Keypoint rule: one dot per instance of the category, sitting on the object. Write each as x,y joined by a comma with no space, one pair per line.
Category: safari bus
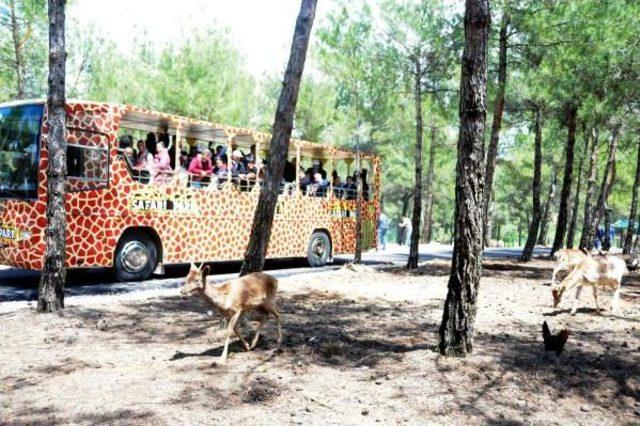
135,211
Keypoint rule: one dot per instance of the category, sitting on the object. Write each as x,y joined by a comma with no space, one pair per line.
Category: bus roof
153,121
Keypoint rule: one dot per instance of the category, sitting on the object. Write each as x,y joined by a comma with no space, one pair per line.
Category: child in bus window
161,169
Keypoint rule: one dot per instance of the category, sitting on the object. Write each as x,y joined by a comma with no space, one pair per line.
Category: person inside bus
317,168
319,186
220,169
252,169
161,169
349,189
289,174
201,169
130,156
305,181
184,160
336,183
172,152
237,166
141,155
126,141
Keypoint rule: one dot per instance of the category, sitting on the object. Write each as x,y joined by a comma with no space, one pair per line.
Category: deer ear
193,267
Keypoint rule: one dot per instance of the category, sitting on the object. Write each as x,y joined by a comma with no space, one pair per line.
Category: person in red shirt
200,169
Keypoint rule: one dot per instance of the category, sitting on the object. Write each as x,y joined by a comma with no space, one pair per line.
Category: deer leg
595,296
230,327
553,275
615,301
254,342
236,330
575,301
273,310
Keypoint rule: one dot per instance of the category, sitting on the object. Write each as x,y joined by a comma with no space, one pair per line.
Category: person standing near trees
402,231
408,229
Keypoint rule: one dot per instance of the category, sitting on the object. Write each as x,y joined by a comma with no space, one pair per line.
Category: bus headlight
25,235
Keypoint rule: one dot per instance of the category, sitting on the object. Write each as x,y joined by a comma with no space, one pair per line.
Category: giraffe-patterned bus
120,217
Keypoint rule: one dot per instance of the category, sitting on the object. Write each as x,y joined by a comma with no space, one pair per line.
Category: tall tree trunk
608,179
357,256
544,222
51,288
406,200
527,253
606,245
563,210
633,211
588,232
17,51
496,125
428,205
412,262
637,240
571,234
457,329
282,126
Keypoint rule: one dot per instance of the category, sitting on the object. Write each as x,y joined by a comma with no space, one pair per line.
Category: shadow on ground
341,333
325,329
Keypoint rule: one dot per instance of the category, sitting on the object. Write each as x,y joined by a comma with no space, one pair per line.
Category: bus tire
136,257
319,249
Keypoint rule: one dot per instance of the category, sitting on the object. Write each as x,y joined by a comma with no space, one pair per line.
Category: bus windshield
19,149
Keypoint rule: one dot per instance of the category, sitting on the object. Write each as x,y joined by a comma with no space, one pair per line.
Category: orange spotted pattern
206,225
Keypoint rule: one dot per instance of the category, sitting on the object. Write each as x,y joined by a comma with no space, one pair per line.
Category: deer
600,273
253,292
567,260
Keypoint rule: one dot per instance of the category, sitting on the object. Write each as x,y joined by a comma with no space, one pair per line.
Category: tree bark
637,240
606,245
527,253
563,210
608,179
427,231
458,318
412,262
633,211
357,256
406,199
544,223
571,234
496,126
586,238
17,50
51,287
283,124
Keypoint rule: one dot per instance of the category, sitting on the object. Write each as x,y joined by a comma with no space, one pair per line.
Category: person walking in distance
383,227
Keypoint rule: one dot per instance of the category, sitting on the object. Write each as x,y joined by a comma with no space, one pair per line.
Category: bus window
87,161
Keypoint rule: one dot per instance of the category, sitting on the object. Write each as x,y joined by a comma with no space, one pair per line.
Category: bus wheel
319,249
136,257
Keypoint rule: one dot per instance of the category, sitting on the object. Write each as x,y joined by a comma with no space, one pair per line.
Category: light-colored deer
567,260
253,292
599,273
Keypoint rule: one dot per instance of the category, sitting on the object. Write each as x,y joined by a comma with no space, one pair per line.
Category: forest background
367,61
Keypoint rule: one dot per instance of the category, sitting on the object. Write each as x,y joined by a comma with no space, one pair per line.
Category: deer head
195,280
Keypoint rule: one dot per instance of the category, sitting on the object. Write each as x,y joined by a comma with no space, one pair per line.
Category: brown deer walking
254,292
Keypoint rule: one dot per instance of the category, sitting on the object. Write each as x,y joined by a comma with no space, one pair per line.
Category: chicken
554,342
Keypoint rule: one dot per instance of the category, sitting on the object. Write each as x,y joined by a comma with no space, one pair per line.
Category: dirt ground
359,348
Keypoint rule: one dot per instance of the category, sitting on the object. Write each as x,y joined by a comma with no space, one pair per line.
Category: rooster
554,342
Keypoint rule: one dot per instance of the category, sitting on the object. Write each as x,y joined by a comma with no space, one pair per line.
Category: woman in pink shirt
200,169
